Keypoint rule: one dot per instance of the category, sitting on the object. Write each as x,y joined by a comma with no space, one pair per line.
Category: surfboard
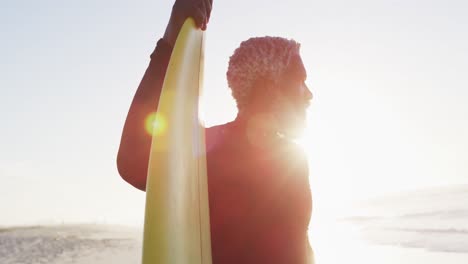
177,228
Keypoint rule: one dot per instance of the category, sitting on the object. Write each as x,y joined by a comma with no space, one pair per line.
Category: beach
428,226
63,244
100,244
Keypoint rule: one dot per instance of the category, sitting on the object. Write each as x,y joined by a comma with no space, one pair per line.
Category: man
259,195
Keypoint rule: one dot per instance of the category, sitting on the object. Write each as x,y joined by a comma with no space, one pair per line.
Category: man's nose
307,93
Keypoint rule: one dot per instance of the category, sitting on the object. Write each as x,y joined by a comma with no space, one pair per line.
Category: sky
389,111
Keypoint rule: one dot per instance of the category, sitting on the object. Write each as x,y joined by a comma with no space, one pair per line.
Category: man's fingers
199,10
199,16
208,5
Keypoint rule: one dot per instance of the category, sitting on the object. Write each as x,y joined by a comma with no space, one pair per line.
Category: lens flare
155,124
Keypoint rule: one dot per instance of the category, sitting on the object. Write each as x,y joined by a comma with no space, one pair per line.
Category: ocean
423,226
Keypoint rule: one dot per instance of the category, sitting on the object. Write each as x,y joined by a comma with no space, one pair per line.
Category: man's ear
263,89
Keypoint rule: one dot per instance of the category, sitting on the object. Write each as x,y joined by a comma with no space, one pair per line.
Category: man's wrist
172,31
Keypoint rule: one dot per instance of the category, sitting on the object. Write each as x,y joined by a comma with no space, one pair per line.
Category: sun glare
155,124
305,140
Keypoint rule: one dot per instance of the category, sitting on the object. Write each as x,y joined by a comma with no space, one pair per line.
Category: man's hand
199,10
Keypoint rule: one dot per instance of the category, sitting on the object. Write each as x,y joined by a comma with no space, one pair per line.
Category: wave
429,230
440,213
441,240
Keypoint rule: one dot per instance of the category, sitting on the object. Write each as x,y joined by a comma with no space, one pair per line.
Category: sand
70,244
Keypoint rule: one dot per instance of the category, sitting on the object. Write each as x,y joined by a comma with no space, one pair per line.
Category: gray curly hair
257,58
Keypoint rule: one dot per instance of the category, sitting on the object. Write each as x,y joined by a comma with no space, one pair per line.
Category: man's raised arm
135,144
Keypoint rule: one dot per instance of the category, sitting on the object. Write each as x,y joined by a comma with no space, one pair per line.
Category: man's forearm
172,31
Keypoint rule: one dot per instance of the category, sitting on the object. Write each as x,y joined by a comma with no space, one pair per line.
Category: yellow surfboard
177,228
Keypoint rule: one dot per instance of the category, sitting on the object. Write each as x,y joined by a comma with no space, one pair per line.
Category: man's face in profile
294,99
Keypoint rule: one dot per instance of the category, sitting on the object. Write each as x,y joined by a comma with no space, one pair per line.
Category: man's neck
259,128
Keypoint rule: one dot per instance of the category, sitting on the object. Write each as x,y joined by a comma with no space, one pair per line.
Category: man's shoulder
215,135
216,128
